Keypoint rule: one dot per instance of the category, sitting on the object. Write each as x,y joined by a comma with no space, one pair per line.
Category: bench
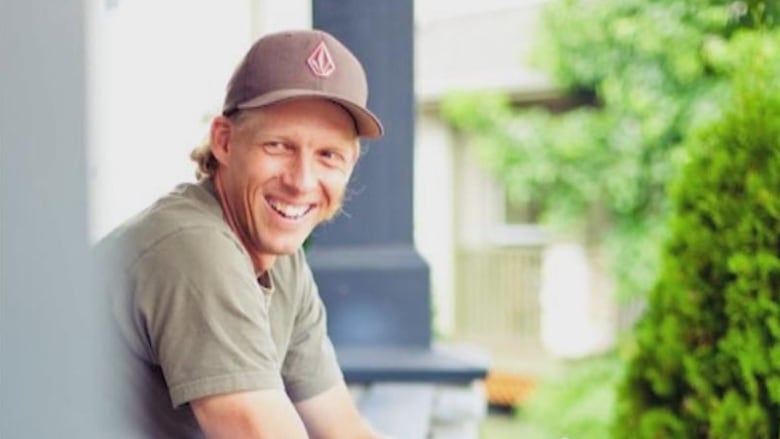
409,393
422,410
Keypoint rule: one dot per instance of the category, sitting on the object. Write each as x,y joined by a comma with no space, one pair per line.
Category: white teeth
289,210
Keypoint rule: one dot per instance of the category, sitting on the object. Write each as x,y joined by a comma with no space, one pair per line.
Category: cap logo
321,62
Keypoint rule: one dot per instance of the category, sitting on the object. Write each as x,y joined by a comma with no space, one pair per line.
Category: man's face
284,170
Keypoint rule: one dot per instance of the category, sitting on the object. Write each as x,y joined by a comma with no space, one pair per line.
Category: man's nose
300,175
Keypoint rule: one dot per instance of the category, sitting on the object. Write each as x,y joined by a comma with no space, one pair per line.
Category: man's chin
284,244
287,248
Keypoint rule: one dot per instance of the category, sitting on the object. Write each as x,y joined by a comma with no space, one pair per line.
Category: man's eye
275,147
332,156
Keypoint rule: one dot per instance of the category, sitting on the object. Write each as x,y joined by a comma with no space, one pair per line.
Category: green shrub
577,403
708,349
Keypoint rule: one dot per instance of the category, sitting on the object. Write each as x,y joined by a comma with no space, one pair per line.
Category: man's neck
260,261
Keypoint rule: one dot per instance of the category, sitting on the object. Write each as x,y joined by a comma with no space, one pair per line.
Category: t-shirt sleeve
310,365
203,316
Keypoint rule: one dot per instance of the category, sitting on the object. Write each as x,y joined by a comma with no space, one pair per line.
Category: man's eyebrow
340,144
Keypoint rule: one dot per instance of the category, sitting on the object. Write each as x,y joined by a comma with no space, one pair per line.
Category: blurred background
548,135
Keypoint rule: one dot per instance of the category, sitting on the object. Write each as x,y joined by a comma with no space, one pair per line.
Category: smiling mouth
290,211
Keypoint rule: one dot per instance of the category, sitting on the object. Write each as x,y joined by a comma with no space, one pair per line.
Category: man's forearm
253,415
333,415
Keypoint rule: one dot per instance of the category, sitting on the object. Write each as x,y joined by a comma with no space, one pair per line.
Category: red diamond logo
320,62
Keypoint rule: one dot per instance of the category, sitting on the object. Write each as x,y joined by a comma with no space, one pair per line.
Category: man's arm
270,414
332,414
264,414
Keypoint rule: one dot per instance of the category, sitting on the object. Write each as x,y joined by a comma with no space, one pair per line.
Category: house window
518,212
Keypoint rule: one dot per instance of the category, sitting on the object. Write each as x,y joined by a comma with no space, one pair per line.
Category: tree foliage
708,361
653,71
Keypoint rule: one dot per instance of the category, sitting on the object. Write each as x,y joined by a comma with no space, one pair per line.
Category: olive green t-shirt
195,319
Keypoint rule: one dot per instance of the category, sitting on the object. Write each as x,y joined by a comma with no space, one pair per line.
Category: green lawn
500,426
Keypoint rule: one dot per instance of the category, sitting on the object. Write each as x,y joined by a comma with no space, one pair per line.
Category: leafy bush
708,359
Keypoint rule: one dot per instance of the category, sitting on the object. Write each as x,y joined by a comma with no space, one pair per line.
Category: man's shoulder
189,204
189,211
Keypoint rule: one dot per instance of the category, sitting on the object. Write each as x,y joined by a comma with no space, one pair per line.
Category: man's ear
221,131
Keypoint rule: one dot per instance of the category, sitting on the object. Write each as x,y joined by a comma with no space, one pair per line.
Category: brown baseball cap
297,64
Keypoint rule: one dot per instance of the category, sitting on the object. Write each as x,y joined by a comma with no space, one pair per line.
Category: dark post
373,281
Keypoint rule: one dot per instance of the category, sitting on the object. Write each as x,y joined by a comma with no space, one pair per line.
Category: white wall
158,76
467,44
573,321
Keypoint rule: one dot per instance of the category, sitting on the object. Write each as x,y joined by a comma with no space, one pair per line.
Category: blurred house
497,278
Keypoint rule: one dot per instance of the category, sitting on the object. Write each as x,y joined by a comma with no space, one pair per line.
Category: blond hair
205,160
203,157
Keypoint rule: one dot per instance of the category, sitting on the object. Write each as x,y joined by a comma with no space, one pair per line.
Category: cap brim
366,123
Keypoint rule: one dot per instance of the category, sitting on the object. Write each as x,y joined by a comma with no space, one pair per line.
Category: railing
497,296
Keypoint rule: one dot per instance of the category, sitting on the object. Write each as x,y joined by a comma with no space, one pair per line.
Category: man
210,289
